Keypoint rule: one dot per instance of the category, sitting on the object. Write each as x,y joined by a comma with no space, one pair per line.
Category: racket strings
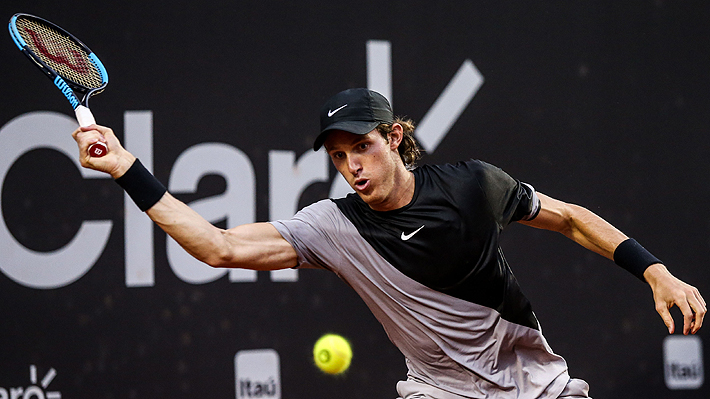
60,53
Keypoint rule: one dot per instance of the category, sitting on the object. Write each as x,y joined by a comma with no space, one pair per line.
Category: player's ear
395,136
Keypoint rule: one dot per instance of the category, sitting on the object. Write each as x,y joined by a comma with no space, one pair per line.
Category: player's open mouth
362,184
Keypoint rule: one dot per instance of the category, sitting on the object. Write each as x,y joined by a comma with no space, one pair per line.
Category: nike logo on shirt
406,237
331,113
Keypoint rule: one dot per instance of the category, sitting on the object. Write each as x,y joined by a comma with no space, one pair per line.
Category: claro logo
33,391
288,177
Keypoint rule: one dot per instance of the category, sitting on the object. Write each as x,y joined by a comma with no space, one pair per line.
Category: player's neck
401,194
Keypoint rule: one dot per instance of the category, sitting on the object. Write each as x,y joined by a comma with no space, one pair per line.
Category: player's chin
373,200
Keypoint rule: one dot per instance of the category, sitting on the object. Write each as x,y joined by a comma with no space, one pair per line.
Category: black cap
357,111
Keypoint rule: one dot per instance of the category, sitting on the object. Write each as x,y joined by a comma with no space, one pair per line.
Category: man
420,246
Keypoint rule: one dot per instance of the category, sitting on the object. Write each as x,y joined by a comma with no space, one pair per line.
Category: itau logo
258,374
33,391
683,358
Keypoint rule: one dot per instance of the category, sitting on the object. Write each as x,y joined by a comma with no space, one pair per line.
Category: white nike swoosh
406,237
331,113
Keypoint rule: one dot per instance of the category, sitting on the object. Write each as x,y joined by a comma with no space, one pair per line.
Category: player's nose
354,164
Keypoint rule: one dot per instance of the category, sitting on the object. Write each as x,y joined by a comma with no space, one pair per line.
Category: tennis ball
332,354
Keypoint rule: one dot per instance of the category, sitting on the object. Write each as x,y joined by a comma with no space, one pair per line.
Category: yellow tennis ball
332,354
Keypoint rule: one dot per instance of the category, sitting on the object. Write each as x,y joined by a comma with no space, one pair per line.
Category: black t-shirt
447,237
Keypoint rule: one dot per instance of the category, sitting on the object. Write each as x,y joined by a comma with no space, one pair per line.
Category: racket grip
86,118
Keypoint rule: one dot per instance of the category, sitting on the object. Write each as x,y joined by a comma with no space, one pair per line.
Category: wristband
143,188
634,258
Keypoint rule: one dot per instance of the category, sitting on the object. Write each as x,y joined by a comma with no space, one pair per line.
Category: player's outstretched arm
256,246
594,233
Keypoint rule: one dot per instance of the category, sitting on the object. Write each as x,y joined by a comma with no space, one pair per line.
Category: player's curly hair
409,149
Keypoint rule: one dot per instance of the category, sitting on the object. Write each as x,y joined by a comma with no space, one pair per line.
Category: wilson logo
66,90
78,64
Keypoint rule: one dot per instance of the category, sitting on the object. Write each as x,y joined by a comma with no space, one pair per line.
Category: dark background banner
601,103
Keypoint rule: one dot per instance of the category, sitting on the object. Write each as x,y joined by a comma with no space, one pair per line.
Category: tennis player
420,245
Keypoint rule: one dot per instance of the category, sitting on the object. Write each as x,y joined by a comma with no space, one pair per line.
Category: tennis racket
74,69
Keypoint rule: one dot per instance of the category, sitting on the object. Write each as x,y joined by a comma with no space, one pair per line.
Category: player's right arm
257,246
592,232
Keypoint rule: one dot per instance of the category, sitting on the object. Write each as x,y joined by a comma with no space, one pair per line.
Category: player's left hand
668,291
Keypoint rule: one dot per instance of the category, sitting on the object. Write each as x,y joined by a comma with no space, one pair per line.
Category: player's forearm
252,246
592,232
195,234
578,224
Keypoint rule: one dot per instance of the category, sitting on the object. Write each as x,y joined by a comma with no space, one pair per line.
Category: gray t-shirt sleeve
310,232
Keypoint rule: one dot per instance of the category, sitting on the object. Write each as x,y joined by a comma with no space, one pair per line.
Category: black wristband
143,188
633,257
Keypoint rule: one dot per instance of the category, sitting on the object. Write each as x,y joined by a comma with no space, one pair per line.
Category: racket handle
86,118
98,149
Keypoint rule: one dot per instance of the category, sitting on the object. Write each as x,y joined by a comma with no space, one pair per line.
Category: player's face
370,164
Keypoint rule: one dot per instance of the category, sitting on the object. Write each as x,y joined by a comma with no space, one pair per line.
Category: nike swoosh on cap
331,113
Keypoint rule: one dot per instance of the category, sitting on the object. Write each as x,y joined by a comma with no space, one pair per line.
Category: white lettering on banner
138,229
53,269
379,67
448,107
236,205
33,391
288,179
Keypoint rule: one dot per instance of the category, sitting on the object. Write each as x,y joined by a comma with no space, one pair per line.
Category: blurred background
601,103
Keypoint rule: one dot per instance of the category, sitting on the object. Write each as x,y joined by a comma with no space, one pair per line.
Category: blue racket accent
73,68
15,34
100,67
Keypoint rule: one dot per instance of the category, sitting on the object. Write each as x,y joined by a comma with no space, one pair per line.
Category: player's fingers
662,310
107,136
99,128
86,137
688,315
700,310
700,297
84,140
697,323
